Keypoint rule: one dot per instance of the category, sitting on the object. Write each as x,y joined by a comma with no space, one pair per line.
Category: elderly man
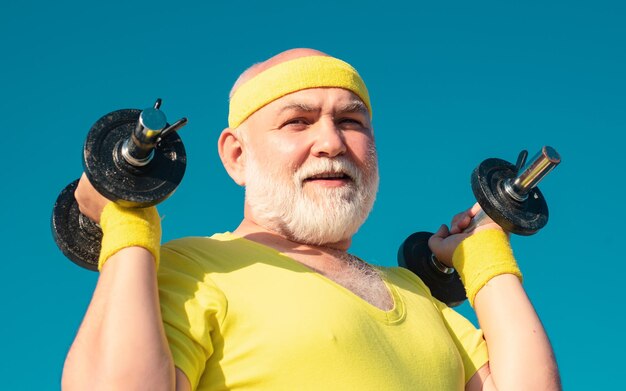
279,303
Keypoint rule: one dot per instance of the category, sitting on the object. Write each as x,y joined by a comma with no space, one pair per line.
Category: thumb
442,233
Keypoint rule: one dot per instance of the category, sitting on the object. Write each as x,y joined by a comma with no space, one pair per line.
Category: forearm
520,354
121,343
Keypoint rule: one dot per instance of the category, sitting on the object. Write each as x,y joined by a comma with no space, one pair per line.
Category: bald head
287,55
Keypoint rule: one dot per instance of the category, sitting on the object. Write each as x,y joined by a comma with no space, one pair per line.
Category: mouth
329,178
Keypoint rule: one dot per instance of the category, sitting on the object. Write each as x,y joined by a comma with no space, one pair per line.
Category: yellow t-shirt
240,315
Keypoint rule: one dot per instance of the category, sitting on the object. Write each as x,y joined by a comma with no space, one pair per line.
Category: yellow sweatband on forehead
291,76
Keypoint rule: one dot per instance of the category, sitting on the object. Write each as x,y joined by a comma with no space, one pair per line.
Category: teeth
325,175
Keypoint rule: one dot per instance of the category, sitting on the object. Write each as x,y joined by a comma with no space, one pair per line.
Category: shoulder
194,244
184,276
197,251
219,253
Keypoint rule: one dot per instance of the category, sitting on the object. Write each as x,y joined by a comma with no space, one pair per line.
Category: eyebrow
298,106
354,106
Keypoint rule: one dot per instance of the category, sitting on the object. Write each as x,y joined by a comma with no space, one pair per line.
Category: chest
355,275
294,326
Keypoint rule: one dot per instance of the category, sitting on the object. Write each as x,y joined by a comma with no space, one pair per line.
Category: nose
329,140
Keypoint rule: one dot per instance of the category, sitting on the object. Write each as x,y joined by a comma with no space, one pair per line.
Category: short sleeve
468,339
192,307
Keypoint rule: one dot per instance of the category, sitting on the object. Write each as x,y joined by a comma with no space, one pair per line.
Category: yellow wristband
129,227
481,257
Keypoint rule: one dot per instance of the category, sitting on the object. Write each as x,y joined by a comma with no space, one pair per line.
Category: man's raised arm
121,342
520,354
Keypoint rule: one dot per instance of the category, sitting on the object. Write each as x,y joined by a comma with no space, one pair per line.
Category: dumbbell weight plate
415,255
521,218
121,182
78,237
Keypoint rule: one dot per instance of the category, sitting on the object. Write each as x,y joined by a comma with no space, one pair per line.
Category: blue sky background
452,83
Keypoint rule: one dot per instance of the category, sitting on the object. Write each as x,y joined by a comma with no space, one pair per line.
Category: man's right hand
90,202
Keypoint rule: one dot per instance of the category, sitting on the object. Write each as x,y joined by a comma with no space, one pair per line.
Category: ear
231,152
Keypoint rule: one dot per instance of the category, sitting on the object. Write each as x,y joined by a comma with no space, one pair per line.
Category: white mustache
338,165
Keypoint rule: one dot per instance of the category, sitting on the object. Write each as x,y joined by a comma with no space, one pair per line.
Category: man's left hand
445,240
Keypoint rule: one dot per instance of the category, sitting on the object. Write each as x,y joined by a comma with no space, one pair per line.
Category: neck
252,230
330,260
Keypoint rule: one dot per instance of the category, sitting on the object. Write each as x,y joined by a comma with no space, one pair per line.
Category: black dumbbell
132,157
507,194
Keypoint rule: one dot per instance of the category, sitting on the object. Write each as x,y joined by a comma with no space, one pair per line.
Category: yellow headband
291,76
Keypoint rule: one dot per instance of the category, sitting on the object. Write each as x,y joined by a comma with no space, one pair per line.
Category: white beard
317,215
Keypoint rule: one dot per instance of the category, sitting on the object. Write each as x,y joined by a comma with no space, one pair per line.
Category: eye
296,123
350,123
349,120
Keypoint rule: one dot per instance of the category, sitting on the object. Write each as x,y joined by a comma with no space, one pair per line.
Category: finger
442,232
457,217
460,222
83,187
80,190
466,220
90,202
473,211
438,236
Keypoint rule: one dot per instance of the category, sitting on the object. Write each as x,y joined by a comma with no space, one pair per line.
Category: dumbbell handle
138,149
517,188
